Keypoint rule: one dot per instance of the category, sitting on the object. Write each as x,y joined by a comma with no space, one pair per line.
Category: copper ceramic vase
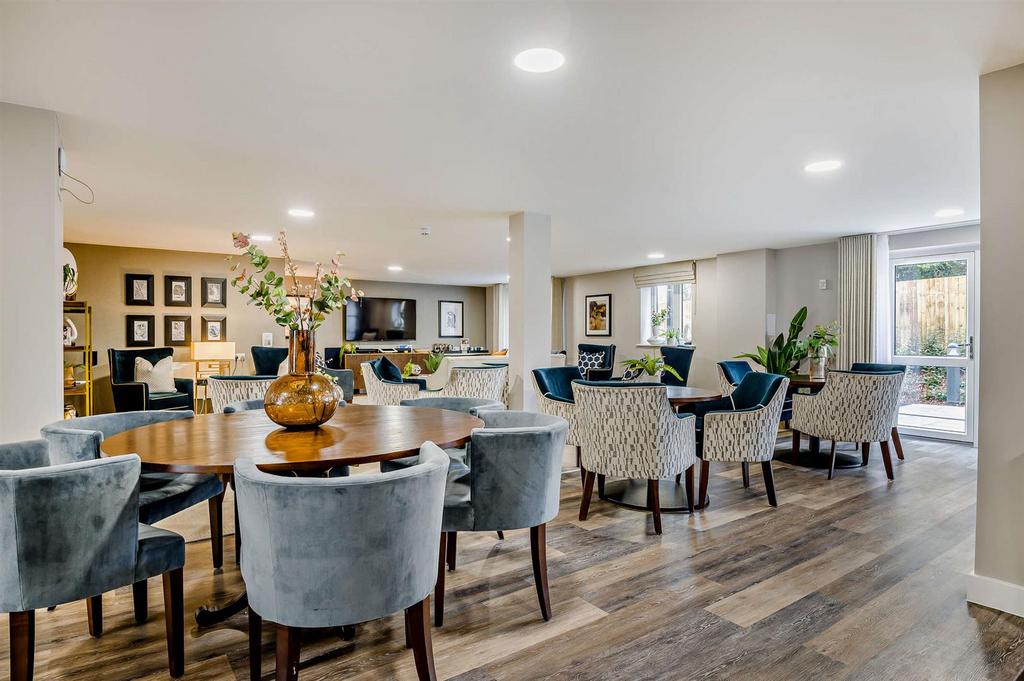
302,398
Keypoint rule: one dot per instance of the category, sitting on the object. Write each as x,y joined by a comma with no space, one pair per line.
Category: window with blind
677,299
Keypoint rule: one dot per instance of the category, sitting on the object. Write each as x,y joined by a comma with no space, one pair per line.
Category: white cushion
159,378
282,368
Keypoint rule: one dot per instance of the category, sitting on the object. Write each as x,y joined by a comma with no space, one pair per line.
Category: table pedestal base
207,616
633,494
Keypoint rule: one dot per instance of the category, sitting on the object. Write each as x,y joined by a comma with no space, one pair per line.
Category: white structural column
529,303
31,240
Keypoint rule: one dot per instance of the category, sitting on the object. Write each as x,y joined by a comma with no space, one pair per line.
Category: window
678,300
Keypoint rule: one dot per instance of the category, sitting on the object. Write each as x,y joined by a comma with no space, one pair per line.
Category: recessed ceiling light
823,166
395,268
655,256
949,212
539,60
301,212
508,239
261,237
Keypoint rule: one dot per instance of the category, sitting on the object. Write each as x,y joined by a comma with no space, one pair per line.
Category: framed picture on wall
138,289
177,291
598,310
139,331
177,330
214,328
449,319
215,292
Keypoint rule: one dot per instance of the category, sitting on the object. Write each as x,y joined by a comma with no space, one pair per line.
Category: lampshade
205,351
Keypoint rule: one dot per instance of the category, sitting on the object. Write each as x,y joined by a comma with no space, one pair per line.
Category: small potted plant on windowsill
671,337
657,319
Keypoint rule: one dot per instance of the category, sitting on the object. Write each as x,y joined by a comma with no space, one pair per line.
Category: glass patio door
933,334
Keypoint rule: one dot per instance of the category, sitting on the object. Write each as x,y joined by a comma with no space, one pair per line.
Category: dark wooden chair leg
746,473
897,443
140,600
539,552
769,482
23,644
216,505
689,489
417,618
451,541
795,446
501,535
287,655
94,610
832,460
408,630
865,453
705,473
679,477
439,586
588,490
654,504
886,459
255,646
174,617
348,632
579,464
600,485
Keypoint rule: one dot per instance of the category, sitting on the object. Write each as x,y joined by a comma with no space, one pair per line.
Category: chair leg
865,453
408,630
287,654
501,535
746,473
600,485
689,489
705,473
832,460
174,617
679,477
654,504
216,505
140,599
886,459
579,464
795,446
539,553
451,542
769,482
439,586
255,645
588,490
23,644
897,443
417,622
94,610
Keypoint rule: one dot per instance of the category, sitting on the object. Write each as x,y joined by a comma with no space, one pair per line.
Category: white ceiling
682,128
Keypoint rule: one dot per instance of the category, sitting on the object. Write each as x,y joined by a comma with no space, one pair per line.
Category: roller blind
666,273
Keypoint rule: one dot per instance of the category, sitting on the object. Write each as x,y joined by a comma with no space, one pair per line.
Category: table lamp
212,357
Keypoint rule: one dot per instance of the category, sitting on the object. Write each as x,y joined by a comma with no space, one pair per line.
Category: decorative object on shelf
658,318
70,275
784,355
449,319
598,309
647,368
78,354
215,292
671,337
70,333
411,369
69,373
138,289
303,398
177,291
821,347
433,361
178,330
214,328
70,412
139,330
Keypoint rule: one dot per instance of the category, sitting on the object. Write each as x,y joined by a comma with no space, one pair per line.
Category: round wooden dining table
356,434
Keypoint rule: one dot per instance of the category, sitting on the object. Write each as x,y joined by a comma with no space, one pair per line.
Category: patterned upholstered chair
554,397
513,482
876,368
161,494
223,390
730,373
267,361
132,395
384,563
486,382
851,407
745,431
386,391
596,362
629,430
679,358
71,532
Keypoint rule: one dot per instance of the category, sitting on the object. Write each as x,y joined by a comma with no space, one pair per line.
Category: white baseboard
995,593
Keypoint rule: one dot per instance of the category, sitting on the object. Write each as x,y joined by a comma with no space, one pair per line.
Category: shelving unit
80,395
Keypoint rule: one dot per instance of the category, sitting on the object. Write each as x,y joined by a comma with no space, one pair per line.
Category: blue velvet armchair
131,395
679,358
267,361
604,369
71,532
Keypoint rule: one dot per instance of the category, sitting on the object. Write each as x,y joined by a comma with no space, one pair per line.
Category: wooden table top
355,434
805,381
681,394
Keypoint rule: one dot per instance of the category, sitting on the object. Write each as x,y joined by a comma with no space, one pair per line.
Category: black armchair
131,395
604,370
265,361
679,358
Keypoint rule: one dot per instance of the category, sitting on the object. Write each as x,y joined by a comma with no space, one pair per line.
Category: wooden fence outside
930,308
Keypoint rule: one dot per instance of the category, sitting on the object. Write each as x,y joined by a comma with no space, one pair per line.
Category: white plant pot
654,340
672,342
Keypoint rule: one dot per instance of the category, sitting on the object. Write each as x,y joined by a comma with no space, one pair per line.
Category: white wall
797,272
31,240
962,236
998,579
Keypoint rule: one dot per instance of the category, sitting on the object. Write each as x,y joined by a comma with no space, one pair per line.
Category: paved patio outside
948,418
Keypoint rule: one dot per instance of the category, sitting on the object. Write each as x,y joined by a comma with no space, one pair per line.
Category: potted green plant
433,361
410,369
784,355
671,337
648,367
658,318
821,345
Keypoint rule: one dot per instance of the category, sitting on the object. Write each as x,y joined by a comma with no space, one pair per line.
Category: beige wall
999,552
797,272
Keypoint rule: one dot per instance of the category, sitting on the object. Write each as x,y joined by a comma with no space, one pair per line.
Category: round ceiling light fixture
395,268
655,256
949,212
539,60
823,166
301,212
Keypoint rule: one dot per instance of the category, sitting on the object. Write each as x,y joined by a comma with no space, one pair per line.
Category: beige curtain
856,300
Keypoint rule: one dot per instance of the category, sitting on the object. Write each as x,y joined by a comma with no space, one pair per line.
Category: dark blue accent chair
131,395
679,358
735,369
266,361
606,369
556,382
386,371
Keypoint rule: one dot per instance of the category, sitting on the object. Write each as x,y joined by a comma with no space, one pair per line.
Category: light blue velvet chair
513,482
243,405
330,552
71,532
161,494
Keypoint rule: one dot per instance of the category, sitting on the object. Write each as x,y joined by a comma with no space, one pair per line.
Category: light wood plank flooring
853,578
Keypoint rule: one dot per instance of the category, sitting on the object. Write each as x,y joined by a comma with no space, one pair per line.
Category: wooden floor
853,578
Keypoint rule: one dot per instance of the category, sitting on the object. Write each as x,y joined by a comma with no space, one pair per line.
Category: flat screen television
380,319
